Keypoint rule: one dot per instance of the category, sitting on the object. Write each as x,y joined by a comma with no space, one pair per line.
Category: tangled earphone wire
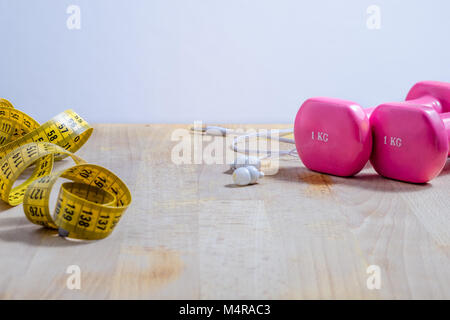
246,168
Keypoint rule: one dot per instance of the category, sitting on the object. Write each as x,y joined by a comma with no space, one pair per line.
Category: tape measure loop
87,208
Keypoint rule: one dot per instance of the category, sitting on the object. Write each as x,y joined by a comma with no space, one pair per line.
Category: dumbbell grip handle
429,101
369,111
424,101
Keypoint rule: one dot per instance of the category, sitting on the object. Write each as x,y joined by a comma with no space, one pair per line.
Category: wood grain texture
189,234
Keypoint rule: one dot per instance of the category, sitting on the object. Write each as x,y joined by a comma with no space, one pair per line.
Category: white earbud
246,175
245,161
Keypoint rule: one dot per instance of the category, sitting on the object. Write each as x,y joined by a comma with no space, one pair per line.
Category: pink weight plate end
333,136
410,143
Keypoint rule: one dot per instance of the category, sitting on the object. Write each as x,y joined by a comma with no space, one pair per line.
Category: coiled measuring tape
89,207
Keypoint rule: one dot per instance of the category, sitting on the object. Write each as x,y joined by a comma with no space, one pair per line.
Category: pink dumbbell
411,142
334,136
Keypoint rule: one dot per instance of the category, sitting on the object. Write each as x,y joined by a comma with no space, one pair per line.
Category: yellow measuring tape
89,207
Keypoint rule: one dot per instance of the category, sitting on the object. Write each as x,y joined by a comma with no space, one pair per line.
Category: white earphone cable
279,135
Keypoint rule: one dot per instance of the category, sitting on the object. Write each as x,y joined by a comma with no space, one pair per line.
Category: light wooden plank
189,234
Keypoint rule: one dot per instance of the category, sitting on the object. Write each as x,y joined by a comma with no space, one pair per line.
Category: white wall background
240,61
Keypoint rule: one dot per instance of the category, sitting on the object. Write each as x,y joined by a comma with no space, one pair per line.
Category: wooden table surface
190,235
